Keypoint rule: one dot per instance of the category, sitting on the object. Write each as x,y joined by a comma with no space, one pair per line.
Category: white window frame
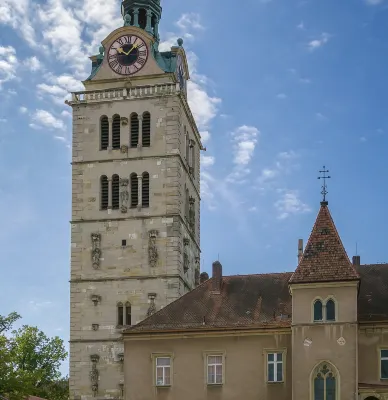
214,365
275,363
163,368
381,360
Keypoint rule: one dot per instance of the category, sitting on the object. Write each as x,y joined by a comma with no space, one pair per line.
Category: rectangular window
163,371
384,364
215,369
275,367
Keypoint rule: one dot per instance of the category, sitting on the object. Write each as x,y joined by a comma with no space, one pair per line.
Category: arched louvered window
134,190
104,187
128,314
318,315
146,134
325,383
145,190
330,310
193,159
187,204
134,130
116,132
104,133
142,18
115,192
187,146
120,314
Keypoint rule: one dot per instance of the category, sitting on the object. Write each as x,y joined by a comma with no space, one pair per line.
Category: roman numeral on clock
113,64
142,53
141,61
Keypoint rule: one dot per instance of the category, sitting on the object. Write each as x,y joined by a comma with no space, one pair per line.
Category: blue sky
279,88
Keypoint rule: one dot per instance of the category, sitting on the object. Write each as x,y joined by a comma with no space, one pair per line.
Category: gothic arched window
104,193
145,190
134,190
116,132
115,192
330,310
104,132
134,130
120,314
128,314
324,383
146,130
318,314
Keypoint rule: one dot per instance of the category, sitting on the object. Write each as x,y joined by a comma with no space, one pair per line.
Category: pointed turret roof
324,258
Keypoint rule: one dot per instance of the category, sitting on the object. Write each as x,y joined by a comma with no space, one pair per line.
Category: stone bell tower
135,228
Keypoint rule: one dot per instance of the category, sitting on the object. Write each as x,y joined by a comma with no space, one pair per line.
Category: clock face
127,55
180,73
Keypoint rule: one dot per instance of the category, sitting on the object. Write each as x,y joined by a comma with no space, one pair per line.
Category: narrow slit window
134,191
330,310
192,159
115,192
116,132
318,315
146,134
134,130
145,190
128,314
120,314
104,193
104,132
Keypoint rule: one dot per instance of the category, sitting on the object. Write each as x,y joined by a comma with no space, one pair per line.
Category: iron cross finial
324,186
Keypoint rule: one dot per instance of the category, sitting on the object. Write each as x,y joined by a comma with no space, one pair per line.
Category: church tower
135,228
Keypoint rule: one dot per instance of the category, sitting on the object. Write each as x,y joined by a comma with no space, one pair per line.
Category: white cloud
52,89
268,174
321,117
304,80
8,64
374,2
205,136
42,118
317,43
39,305
3,120
301,25
287,155
207,161
33,64
290,204
252,209
281,96
244,141
363,139
23,110
189,21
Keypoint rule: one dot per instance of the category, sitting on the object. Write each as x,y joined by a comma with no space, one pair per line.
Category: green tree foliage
29,363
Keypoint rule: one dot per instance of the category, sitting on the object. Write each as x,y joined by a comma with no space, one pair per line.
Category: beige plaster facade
111,249
350,349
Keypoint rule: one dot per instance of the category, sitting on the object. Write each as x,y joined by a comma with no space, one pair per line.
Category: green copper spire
144,14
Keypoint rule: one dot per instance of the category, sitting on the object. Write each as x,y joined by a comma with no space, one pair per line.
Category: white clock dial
127,55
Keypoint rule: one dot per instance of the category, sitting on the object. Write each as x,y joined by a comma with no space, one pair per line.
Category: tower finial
324,192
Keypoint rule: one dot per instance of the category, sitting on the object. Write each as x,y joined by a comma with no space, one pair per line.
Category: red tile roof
257,301
324,258
243,302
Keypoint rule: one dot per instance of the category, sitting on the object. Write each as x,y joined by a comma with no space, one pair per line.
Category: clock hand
120,50
133,47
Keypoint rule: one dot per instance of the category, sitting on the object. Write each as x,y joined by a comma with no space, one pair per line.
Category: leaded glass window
325,384
330,310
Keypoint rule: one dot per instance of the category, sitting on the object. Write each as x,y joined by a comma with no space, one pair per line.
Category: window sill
214,384
163,386
274,382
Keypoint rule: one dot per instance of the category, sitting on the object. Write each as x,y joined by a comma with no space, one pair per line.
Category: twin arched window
324,312
145,120
134,191
124,314
325,382
134,131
